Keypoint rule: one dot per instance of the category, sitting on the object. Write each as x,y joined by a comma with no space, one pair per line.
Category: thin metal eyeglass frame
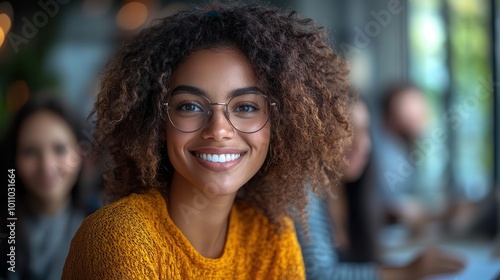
226,113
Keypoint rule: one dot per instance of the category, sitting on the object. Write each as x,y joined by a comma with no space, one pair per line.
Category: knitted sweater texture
134,238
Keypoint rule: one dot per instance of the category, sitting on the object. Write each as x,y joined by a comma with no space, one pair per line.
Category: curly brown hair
290,55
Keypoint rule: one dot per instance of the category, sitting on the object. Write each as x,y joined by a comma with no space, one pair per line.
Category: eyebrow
198,91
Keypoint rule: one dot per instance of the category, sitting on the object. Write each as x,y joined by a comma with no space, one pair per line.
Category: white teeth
218,158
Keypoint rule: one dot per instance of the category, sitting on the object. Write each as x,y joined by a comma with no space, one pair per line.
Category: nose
48,164
218,126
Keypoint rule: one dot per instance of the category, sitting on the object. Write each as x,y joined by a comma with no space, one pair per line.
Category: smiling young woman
213,120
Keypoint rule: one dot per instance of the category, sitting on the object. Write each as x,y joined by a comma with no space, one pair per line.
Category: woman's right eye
29,152
189,107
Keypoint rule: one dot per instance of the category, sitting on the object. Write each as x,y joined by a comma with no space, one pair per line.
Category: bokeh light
2,36
5,23
131,16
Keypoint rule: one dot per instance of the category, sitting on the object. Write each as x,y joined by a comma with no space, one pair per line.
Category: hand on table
434,261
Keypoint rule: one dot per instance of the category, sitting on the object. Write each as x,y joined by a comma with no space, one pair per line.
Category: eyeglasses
247,113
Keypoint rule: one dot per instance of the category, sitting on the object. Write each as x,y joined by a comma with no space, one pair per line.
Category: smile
218,157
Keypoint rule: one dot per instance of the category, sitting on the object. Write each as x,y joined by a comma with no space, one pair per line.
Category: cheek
175,142
26,167
367,144
261,141
70,163
72,160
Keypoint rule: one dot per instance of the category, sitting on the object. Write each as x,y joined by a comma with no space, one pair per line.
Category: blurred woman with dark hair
43,148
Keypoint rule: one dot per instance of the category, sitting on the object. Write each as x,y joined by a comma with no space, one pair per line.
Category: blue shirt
320,253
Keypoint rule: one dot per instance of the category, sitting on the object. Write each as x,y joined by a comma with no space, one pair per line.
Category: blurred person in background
359,199
404,119
43,148
357,156
328,219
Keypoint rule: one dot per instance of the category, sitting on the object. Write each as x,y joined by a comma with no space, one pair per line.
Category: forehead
410,102
408,97
216,72
44,127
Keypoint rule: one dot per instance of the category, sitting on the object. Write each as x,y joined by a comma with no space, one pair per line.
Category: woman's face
47,157
410,114
217,75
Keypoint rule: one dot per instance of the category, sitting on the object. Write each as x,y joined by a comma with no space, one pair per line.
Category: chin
215,189
351,177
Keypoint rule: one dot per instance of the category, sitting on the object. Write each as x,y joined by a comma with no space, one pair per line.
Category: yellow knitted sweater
134,238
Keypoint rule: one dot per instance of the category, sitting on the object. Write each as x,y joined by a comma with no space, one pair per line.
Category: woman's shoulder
117,241
130,212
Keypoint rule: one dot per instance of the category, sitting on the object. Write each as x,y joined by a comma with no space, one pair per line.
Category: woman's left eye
60,149
245,108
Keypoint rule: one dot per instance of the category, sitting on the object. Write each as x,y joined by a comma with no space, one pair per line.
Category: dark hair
289,54
363,221
11,138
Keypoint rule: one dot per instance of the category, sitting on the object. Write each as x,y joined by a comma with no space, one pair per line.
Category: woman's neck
202,218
